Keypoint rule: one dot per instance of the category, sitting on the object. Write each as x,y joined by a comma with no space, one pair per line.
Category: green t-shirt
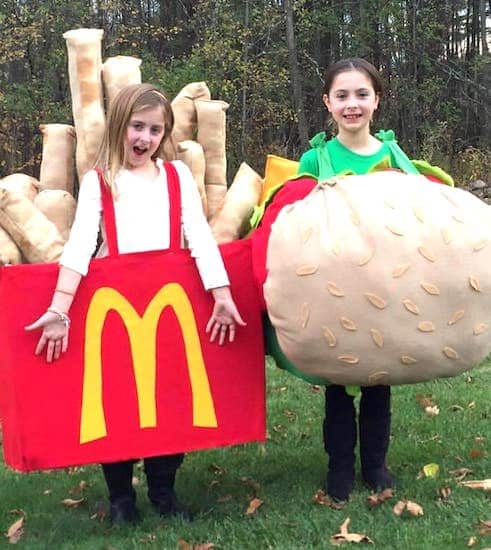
344,160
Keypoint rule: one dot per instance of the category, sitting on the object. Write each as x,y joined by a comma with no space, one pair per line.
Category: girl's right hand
54,336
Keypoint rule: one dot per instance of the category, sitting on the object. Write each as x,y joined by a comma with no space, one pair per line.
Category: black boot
374,423
161,475
339,442
122,496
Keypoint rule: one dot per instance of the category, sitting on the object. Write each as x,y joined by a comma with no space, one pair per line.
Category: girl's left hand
224,317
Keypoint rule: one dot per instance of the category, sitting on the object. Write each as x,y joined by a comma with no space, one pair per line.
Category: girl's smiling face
144,133
352,101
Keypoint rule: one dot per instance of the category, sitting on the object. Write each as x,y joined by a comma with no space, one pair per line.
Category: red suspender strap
174,190
108,215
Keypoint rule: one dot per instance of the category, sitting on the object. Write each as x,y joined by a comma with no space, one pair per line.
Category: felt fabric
57,164
381,279
59,207
140,377
232,218
120,71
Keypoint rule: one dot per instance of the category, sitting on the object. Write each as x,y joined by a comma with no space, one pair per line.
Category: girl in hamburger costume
351,94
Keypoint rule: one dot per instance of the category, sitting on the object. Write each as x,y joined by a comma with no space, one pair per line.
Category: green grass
285,472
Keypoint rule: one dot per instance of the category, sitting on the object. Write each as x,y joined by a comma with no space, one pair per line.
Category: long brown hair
130,100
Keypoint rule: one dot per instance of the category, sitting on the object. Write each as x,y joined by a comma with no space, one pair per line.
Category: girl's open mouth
352,116
139,151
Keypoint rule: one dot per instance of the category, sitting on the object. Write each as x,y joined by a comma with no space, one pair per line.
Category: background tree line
267,60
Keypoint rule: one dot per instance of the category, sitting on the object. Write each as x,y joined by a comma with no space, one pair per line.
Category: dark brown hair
353,64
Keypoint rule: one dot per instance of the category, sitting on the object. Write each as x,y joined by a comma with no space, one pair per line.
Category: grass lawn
285,473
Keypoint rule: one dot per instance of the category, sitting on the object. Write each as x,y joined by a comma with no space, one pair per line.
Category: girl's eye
341,96
136,125
156,131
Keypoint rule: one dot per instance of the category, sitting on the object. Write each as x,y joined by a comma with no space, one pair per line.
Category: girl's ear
377,100
325,100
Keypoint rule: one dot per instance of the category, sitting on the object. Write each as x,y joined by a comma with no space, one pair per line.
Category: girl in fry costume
140,121
351,94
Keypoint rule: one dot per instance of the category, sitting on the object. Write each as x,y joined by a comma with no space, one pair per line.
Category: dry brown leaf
290,414
47,492
79,488
216,469
484,484
254,504
485,527
183,545
379,498
472,542
321,498
476,453
101,512
72,502
425,400
15,531
432,410
399,507
414,509
344,536
460,473
444,494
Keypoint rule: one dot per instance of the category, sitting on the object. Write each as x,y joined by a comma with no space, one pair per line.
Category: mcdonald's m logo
143,351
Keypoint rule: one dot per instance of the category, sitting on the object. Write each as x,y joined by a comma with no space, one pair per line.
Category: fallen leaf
72,503
47,492
149,538
290,414
344,536
216,469
456,408
472,542
478,484
425,400
183,545
321,498
379,498
15,531
399,507
485,527
254,504
135,481
414,509
431,470
213,483
314,388
460,473
444,494
101,512
432,410
476,453
471,405
249,482
78,489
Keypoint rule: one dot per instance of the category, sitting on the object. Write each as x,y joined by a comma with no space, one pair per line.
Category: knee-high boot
161,475
339,442
374,424
118,476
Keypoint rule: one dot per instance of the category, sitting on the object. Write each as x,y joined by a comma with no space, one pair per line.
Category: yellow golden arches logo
143,351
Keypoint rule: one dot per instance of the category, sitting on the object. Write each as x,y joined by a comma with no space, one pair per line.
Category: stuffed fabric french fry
59,207
232,218
57,164
9,252
21,183
211,136
381,279
191,153
120,71
37,237
184,110
84,70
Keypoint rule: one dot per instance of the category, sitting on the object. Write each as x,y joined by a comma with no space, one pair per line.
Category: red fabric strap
174,191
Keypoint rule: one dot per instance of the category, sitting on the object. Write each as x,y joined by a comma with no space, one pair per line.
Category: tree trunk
295,75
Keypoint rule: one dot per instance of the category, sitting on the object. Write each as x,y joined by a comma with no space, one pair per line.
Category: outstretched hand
224,318
54,336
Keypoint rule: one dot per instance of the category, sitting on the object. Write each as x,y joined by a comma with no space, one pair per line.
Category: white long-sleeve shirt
142,221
